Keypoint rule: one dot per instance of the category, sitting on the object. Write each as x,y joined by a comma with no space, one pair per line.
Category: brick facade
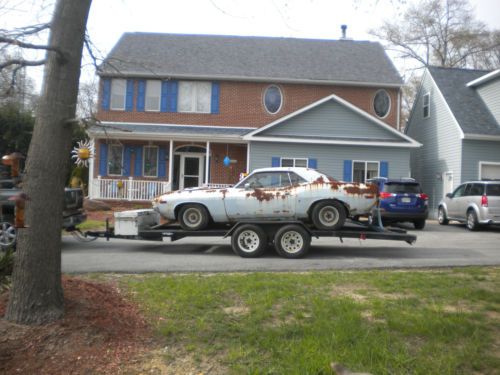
241,104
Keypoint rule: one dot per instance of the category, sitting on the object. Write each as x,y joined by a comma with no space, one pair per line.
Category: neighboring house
179,111
456,116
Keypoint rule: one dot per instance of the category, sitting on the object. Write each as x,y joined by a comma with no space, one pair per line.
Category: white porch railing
217,186
128,189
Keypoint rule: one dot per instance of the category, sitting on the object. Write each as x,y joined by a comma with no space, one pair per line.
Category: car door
455,202
262,195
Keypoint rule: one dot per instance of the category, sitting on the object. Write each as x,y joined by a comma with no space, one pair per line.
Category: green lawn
383,322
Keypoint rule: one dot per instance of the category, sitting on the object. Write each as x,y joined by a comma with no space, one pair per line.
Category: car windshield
493,190
402,187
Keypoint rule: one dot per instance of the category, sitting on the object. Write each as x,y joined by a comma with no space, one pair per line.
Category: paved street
436,246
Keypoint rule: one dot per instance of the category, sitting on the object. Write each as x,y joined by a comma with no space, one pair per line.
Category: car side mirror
449,195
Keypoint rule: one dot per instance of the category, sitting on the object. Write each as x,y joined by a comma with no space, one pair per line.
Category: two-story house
181,111
456,116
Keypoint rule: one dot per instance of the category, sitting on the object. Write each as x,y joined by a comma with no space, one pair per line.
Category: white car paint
279,198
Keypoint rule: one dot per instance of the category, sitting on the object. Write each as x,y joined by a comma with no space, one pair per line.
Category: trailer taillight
484,201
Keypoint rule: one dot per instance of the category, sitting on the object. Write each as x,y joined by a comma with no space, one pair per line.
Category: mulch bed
101,333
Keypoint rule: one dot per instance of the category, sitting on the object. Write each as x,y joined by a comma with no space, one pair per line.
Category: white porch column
90,187
207,163
171,164
248,157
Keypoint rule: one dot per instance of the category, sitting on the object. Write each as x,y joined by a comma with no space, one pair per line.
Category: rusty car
276,193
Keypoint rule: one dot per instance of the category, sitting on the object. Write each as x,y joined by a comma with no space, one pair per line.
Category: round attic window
273,99
382,103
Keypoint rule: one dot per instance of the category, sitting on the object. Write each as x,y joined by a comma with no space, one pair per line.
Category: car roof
482,182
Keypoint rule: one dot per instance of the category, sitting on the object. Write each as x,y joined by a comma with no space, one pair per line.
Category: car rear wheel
193,217
249,241
472,223
419,224
7,236
292,241
442,219
328,215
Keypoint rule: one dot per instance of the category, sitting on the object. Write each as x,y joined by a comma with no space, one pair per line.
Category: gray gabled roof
251,58
465,103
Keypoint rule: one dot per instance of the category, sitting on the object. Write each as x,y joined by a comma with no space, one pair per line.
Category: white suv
475,203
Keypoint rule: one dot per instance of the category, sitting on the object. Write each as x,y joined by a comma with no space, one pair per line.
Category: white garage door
490,171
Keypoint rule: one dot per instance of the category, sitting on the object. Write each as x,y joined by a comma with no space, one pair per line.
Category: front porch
135,170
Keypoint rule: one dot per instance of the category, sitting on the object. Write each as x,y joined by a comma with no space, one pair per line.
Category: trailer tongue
249,239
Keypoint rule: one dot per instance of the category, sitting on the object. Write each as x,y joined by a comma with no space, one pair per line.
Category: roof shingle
250,58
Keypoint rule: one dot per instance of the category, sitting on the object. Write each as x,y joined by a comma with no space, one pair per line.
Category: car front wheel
328,215
472,223
442,219
193,217
7,235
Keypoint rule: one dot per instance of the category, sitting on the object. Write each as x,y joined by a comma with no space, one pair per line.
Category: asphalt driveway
436,246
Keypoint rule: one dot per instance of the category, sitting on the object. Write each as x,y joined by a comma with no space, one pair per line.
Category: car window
493,190
268,180
296,179
459,192
402,188
475,189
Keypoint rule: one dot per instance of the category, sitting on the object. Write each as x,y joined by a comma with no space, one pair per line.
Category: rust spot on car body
356,189
223,192
262,195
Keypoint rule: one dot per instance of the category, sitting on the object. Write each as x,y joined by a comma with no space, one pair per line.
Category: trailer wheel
249,241
7,235
292,241
193,217
328,215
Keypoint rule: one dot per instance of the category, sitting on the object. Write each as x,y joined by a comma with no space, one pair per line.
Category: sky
109,19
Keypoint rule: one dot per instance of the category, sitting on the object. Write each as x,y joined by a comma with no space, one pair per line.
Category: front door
191,171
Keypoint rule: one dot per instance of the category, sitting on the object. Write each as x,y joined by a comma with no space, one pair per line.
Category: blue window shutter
276,161
138,161
141,95
164,96
215,97
129,98
162,163
312,163
384,169
347,171
106,93
126,160
172,92
103,159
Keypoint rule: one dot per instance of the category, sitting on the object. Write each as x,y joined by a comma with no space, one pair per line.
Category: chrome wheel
292,242
193,217
471,220
248,241
442,216
7,235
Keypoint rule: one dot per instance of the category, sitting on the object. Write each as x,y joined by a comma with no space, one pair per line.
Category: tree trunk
36,295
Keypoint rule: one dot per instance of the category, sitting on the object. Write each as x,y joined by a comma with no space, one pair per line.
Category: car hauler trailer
249,239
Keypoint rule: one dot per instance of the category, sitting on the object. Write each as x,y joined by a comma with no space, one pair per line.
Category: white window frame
388,108
294,160
366,168
121,162
148,83
264,99
426,106
113,92
144,161
194,96
481,163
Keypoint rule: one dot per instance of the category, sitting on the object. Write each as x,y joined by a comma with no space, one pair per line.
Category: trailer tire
249,241
329,215
292,241
193,217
